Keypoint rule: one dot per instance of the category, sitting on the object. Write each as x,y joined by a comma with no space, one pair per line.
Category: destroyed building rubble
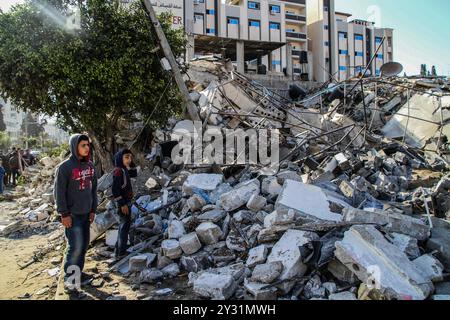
357,209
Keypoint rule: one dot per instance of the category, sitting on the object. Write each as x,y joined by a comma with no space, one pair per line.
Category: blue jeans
78,242
123,232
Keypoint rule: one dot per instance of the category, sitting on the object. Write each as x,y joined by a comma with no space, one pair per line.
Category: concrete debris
361,198
379,263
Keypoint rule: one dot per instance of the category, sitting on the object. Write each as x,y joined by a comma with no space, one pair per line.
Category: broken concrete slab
208,233
150,276
212,216
257,256
140,262
430,267
270,186
202,181
190,243
196,262
440,241
239,196
196,203
392,222
287,251
278,218
406,244
307,200
379,263
171,271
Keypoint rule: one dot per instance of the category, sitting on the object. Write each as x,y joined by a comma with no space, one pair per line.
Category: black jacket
121,189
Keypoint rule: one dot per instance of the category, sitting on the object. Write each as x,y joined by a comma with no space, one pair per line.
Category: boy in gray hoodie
75,193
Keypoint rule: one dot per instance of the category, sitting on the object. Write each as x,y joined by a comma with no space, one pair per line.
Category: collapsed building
357,206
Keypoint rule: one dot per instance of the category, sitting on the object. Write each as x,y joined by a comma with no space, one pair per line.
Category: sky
421,28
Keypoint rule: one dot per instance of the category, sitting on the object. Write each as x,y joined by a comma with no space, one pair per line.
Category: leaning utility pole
188,104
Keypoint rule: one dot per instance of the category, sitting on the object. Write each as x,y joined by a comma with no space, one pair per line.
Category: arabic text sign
176,7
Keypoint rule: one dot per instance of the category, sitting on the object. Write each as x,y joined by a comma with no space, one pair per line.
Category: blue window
276,62
359,37
378,40
342,68
377,72
342,35
343,51
253,5
358,54
254,24
358,69
211,30
210,11
380,56
274,8
233,21
274,25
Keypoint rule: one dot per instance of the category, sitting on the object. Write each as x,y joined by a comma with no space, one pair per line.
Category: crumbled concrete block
258,292
256,203
306,199
430,267
375,261
330,287
140,262
202,181
314,289
270,186
239,196
215,286
150,276
440,241
277,218
212,216
406,244
176,229
171,271
208,233
190,243
287,251
391,221
256,256
111,237
267,273
196,203
196,262
171,248
346,295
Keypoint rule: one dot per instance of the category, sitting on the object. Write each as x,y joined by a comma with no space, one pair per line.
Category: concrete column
190,48
289,67
240,54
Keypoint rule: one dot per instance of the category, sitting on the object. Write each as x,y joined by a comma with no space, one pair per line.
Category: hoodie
121,188
75,187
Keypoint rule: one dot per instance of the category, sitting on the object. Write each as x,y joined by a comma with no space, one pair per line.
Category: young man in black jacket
123,194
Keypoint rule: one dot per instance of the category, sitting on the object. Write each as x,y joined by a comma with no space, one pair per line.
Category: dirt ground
35,283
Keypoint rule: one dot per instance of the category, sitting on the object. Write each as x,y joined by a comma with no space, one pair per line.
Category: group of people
75,193
12,164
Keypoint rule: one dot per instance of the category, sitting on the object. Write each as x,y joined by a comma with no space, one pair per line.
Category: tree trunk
103,155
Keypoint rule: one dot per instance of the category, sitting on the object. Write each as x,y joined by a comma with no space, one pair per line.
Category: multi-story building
13,119
251,32
272,33
342,47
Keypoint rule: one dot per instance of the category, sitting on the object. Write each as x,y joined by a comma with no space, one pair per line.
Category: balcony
295,35
295,17
302,2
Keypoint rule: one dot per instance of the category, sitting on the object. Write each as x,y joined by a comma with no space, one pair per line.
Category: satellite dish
391,69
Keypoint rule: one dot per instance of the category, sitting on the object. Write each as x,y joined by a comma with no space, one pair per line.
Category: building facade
13,119
343,47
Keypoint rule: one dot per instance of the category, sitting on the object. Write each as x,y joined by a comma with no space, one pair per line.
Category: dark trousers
124,230
78,242
1,183
14,175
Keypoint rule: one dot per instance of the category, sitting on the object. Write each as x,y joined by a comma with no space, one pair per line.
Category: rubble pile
358,208
35,209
